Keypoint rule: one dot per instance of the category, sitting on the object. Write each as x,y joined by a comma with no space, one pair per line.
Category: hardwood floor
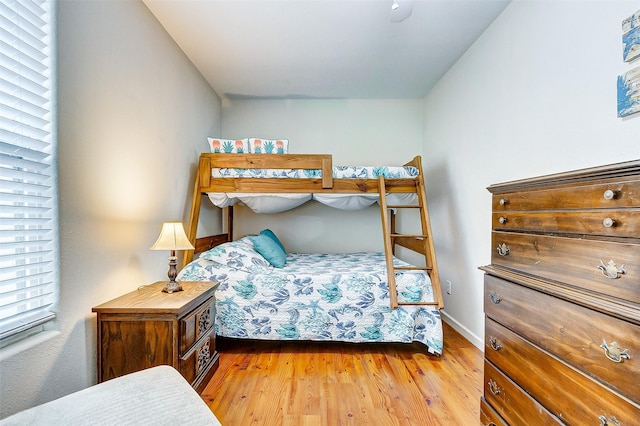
320,383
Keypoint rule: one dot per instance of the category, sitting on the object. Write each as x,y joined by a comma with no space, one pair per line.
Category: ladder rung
416,303
403,206
412,268
409,236
392,180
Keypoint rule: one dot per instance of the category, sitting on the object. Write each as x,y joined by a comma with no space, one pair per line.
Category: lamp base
172,287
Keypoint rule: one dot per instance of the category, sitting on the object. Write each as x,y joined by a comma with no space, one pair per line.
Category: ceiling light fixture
401,10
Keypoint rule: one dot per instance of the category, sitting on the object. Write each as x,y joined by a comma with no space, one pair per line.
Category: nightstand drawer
610,195
511,402
548,379
573,332
609,223
198,359
196,324
606,267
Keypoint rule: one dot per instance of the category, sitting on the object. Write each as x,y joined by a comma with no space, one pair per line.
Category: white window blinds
28,193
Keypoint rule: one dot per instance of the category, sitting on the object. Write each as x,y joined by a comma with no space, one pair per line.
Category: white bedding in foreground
156,396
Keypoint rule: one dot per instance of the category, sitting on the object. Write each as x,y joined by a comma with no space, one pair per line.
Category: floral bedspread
343,297
339,172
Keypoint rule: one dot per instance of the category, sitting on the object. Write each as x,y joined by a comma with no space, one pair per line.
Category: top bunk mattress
339,172
268,203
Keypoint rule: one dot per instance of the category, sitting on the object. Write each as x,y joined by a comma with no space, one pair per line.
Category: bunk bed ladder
420,243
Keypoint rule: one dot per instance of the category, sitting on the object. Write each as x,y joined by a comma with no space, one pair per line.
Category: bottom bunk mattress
337,297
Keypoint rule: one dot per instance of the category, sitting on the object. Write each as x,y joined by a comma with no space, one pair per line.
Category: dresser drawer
511,402
198,359
196,324
565,392
488,416
579,262
572,332
607,195
609,223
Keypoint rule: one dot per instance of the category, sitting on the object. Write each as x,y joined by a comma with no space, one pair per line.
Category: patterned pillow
238,255
268,146
228,146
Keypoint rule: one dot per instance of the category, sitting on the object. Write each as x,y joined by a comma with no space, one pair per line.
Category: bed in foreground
335,297
156,396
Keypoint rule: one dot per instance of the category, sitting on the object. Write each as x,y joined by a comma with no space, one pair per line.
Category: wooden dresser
147,327
562,300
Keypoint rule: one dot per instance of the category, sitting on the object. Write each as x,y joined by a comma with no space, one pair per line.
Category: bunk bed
354,297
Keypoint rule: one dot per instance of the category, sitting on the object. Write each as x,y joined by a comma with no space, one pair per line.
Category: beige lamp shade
172,237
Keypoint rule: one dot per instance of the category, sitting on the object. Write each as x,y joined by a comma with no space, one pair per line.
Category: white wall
133,115
355,132
536,94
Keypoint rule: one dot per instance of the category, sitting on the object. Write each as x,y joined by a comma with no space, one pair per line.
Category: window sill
14,348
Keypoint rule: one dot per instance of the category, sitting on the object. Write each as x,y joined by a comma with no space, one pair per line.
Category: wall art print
629,93
631,37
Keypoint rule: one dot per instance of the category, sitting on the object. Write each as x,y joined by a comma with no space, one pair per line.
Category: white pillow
228,146
239,255
268,146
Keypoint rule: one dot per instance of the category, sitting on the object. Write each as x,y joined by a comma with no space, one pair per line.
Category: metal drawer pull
502,220
611,270
608,222
503,249
503,201
605,422
493,387
495,344
609,194
613,352
495,299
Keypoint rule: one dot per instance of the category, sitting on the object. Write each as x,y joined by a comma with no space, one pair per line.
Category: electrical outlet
449,285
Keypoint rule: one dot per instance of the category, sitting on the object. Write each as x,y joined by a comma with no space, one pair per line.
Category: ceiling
324,49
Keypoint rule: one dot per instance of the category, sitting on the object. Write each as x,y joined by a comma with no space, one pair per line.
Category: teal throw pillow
270,250
269,233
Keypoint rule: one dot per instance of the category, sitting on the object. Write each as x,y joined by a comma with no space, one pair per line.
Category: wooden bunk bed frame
421,243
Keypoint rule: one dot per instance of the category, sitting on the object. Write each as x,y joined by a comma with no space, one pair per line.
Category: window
28,176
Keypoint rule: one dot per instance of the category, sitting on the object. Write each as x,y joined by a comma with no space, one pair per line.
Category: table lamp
172,237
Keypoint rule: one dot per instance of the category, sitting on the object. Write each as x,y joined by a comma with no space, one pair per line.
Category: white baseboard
475,340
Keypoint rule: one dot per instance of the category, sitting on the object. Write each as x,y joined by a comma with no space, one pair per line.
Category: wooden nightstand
147,327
